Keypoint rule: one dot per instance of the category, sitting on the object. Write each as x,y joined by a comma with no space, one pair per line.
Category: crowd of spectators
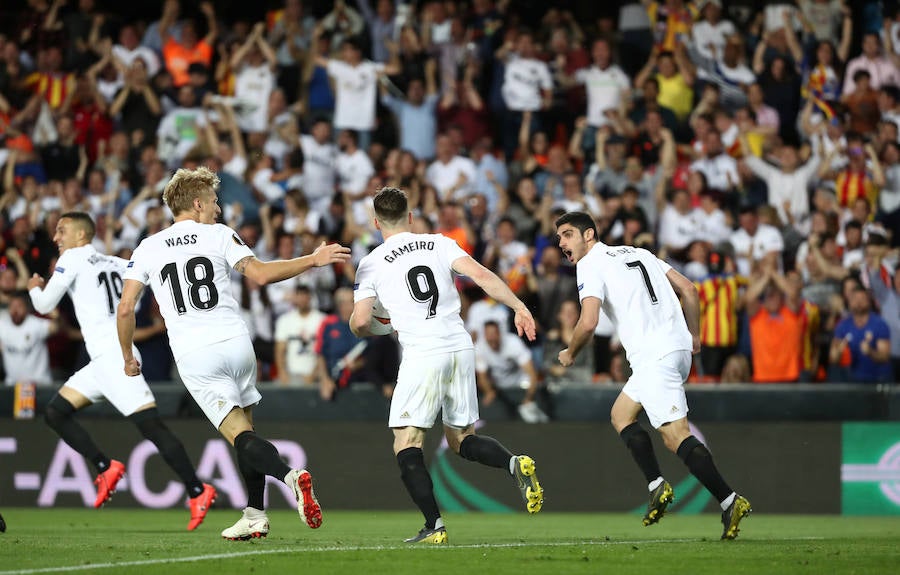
754,146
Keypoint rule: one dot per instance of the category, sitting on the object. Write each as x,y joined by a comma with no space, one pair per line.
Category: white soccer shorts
104,378
426,385
221,376
659,387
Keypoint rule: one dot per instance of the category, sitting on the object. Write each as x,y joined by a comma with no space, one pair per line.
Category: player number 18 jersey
188,266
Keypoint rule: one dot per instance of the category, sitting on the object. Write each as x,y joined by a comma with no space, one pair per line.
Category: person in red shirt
180,55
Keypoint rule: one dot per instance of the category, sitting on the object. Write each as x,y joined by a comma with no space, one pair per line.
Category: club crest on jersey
60,269
237,240
184,240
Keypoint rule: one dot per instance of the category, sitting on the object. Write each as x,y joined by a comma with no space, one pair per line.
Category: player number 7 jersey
637,296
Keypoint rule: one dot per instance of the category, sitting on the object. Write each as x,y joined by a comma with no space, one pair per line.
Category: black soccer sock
485,450
637,440
418,483
170,448
700,463
255,481
58,416
260,455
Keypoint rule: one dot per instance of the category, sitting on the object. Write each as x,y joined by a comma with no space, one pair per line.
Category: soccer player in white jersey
94,283
412,276
639,293
188,266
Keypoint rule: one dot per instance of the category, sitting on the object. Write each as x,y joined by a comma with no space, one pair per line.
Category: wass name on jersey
184,240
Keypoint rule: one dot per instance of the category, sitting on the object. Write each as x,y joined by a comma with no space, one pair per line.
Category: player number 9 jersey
411,275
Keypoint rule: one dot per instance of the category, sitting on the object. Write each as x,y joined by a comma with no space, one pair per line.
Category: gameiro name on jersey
188,266
412,275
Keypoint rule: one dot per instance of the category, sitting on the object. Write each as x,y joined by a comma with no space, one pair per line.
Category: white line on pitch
332,548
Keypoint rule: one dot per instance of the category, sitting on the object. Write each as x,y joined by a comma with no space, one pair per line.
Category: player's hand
565,358
35,281
330,254
695,344
132,367
525,324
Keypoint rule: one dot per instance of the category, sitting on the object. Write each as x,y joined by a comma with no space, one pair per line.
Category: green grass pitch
114,541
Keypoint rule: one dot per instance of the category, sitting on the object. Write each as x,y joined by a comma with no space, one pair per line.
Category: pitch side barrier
708,403
805,467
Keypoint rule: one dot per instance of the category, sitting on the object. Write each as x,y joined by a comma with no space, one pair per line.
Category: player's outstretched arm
44,299
497,289
131,294
275,271
584,330
361,316
690,302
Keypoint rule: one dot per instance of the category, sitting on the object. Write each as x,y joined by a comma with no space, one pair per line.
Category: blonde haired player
412,276
94,283
639,293
188,266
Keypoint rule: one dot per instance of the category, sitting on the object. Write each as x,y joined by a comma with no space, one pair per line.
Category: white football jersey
411,275
188,266
637,297
94,282
24,349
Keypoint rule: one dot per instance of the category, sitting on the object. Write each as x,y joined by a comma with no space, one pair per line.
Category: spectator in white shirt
179,129
678,225
712,225
606,84
451,175
755,242
710,33
719,168
853,254
23,343
319,156
255,79
788,184
295,339
503,362
129,48
527,86
354,168
356,83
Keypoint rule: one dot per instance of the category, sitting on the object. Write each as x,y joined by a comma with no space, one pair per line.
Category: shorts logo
674,409
404,415
61,270
220,404
580,286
